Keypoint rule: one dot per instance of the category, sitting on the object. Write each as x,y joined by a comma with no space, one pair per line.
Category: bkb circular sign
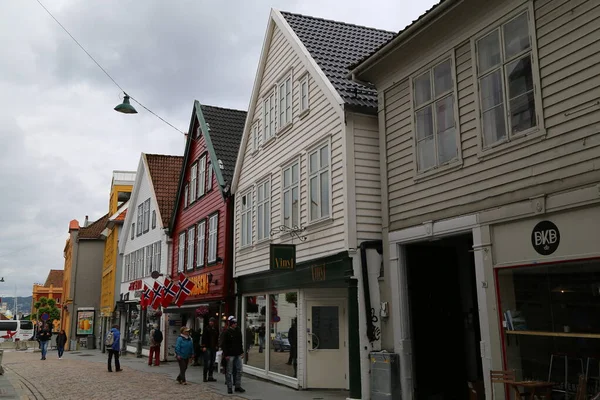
545,238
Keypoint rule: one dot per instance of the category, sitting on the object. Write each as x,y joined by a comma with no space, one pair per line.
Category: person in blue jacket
112,342
184,350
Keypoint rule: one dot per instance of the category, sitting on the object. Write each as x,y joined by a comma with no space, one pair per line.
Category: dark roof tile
93,230
55,278
164,173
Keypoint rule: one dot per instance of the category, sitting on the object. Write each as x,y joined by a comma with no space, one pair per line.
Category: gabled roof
55,278
164,171
93,230
335,46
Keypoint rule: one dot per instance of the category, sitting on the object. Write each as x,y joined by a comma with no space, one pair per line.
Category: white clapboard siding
319,124
568,41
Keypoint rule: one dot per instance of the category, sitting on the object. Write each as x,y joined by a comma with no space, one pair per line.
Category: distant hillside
23,303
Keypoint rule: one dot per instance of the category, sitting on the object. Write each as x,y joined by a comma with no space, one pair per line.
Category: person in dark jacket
61,341
44,336
184,350
210,344
114,348
233,352
196,337
293,338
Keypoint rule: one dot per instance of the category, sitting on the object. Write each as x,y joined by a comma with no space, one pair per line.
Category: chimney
185,135
86,223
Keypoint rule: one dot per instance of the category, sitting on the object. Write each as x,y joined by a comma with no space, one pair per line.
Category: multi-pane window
126,268
185,195
291,195
213,228
140,219
269,117
319,188
435,123
304,94
156,247
181,253
149,259
263,210
209,178
256,137
202,176
193,182
140,263
132,264
146,215
153,219
191,247
201,243
285,102
132,231
505,77
246,216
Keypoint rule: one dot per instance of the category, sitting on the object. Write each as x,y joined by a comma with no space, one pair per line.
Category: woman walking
184,350
61,341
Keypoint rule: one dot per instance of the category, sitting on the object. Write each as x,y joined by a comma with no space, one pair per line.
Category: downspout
364,246
228,273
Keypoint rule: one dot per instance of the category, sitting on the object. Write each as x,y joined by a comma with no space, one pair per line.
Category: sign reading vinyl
545,238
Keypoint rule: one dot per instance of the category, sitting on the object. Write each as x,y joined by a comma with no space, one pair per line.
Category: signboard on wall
282,257
545,238
85,322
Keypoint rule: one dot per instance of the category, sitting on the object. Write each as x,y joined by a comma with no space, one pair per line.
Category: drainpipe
377,245
353,342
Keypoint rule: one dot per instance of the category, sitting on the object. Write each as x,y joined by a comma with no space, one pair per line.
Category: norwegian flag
170,290
185,288
157,295
145,300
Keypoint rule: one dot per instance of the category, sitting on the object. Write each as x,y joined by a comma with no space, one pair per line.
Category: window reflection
255,330
283,333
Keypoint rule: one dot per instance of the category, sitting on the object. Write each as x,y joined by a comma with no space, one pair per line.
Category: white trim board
436,229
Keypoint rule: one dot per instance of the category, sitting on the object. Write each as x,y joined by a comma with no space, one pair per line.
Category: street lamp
2,279
125,107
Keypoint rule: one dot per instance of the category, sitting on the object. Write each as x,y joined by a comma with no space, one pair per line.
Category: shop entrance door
326,365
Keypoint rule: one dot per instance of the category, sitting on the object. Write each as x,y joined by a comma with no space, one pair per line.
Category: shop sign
545,238
136,285
201,284
282,257
318,273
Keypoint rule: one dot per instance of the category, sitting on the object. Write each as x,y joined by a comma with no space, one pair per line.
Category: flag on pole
157,295
145,300
185,288
170,290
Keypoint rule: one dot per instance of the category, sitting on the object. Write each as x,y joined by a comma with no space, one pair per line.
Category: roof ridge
337,22
95,222
222,108
161,155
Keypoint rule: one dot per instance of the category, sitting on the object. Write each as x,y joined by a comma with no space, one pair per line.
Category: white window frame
201,243
317,174
209,176
191,247
140,219
132,264
126,263
304,94
246,223
269,117
256,137
452,92
140,266
193,182
185,195
538,130
289,189
202,176
156,247
181,252
284,98
148,265
263,226
146,215
213,237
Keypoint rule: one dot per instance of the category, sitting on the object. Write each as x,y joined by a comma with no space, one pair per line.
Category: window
263,210
285,102
185,196
181,252
256,137
246,223
434,116
153,219
156,250
291,194
213,228
193,183
146,215
201,243
125,268
191,247
505,78
132,231
140,219
319,187
304,94
209,179
131,270
140,263
202,177
269,117
148,266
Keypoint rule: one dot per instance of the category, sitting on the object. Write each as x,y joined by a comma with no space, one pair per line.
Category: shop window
283,333
133,325
550,316
152,320
255,338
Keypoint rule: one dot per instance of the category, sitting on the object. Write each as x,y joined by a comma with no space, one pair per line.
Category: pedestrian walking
262,330
61,341
113,345
184,350
44,336
210,344
233,351
156,338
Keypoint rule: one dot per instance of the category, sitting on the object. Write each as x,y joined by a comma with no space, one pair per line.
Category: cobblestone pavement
74,379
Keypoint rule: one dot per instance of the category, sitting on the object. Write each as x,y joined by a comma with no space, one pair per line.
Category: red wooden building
202,222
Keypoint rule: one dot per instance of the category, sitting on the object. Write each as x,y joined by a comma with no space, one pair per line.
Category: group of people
44,334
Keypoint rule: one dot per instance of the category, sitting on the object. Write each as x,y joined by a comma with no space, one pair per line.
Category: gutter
377,245
402,36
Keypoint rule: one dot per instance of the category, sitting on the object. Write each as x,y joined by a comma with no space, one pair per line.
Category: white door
326,365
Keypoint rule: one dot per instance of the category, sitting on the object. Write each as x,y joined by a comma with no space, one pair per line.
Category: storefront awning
184,308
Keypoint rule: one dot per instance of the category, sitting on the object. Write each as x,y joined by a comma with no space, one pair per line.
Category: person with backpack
156,338
113,347
44,337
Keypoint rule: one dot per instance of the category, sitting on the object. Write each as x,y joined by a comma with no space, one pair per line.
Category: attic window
221,166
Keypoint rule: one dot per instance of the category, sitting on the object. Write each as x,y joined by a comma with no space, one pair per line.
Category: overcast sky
60,137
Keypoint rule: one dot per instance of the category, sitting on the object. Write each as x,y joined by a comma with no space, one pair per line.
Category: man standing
113,345
44,336
261,337
233,351
156,338
210,343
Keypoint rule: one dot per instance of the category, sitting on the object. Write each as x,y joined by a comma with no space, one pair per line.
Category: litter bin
385,376
73,345
91,342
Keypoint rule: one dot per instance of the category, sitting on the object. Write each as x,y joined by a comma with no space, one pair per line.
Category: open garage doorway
444,318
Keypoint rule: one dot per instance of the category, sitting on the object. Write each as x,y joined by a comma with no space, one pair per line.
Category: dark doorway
444,318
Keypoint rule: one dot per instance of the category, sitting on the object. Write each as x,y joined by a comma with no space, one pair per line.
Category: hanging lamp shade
125,107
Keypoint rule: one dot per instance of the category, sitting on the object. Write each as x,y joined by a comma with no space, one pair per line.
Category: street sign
45,317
